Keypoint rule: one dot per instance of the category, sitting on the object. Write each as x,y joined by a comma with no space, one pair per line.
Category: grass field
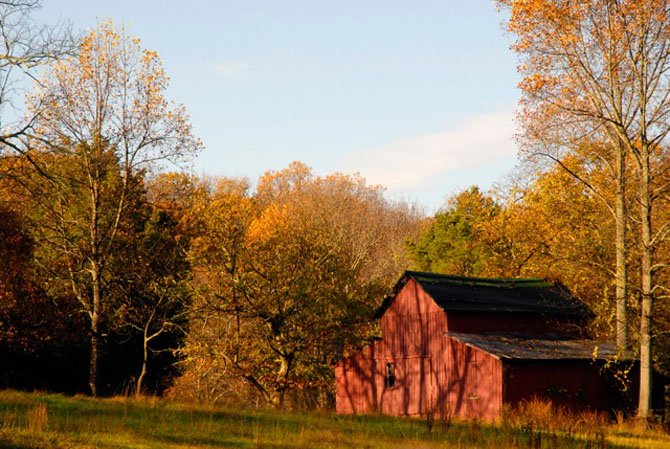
30,421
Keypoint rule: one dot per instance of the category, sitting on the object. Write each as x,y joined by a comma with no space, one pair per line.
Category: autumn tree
554,227
103,122
290,275
217,217
598,70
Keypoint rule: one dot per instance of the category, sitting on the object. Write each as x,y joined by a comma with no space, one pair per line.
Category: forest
123,273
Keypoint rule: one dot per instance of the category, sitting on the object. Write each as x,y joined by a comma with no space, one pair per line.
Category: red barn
466,347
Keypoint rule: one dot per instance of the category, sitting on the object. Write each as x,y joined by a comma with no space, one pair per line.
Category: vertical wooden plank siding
575,384
480,322
473,387
434,373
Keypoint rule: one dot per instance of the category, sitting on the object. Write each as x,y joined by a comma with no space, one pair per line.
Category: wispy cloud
414,162
234,70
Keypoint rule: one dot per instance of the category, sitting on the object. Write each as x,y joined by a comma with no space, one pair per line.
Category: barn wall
465,322
412,328
470,382
434,373
356,381
576,384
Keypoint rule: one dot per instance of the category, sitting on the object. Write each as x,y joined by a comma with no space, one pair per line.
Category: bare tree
598,70
25,46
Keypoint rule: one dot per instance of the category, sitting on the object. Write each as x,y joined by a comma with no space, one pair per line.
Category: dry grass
37,418
43,421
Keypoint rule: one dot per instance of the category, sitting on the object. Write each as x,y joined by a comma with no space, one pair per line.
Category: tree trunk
143,372
621,254
277,397
644,405
95,330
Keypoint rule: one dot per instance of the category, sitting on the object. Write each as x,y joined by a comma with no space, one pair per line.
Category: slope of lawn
33,420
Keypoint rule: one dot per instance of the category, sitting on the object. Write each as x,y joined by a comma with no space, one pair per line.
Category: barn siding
409,328
465,322
434,373
576,384
472,383
356,381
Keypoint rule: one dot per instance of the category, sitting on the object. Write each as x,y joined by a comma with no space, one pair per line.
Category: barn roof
510,346
517,295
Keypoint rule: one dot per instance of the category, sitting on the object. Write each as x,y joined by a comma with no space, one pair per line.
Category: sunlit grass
38,421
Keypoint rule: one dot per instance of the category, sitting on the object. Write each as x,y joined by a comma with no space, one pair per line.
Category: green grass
37,421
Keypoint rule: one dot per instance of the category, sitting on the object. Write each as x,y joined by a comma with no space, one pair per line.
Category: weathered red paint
469,322
575,384
436,373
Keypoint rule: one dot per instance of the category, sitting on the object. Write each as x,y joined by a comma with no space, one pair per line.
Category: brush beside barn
467,347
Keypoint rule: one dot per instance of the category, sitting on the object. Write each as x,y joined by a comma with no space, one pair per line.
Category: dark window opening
389,380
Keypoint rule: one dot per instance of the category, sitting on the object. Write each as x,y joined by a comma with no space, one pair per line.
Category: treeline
246,294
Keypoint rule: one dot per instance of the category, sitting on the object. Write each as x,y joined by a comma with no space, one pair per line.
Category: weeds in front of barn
45,421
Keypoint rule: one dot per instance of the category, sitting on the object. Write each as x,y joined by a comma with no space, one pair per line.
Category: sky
418,96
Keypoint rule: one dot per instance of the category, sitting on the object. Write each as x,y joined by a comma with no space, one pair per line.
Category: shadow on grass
220,442
12,444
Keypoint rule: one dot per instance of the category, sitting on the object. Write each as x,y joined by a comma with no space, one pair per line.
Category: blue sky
418,96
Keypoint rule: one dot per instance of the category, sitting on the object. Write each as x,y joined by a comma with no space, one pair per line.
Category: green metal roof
437,278
494,295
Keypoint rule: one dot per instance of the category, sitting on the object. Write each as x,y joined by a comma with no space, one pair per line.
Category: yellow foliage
272,222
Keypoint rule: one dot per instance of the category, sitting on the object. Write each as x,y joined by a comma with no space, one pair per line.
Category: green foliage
153,292
453,243
140,257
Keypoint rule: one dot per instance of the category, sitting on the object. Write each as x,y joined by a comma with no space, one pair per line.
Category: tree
454,243
40,334
598,70
153,291
26,46
556,228
289,276
103,122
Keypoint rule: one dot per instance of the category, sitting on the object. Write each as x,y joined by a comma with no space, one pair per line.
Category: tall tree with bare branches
25,46
103,122
598,71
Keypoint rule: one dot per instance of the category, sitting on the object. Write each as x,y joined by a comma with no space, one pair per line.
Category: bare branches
24,46
605,65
